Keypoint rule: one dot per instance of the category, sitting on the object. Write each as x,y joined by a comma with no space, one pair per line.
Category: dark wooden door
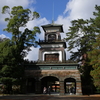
52,57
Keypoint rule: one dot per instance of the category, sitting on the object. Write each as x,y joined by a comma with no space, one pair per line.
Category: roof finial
53,14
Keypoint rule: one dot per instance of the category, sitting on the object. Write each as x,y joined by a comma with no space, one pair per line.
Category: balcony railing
56,62
47,41
51,62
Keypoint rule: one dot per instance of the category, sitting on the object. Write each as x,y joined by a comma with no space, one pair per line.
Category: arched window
51,37
70,85
51,81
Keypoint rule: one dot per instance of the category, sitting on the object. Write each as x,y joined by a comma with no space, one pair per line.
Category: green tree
94,55
81,35
11,72
2,39
18,18
12,52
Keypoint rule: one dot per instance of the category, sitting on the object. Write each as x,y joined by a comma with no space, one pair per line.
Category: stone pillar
62,88
78,88
38,87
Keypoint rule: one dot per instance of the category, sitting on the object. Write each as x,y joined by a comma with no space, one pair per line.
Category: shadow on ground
47,97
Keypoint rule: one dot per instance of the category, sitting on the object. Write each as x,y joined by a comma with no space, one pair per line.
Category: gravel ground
49,97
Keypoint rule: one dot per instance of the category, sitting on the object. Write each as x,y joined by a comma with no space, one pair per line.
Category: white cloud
11,3
33,54
38,22
76,9
3,36
81,8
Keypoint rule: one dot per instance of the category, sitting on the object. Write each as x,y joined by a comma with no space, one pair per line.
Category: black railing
52,62
47,41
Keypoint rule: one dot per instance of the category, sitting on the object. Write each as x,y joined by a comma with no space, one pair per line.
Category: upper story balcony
49,41
57,42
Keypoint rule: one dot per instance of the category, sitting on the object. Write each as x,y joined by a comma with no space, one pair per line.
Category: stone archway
51,81
70,86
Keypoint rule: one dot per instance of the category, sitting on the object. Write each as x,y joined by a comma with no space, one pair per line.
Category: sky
61,11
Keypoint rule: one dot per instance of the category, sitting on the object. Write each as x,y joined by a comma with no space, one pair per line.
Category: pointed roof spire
52,21
53,14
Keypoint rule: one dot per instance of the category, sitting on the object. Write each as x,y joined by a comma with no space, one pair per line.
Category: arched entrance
70,85
51,81
31,85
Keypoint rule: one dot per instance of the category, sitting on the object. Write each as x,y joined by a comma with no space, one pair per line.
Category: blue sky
64,12
48,8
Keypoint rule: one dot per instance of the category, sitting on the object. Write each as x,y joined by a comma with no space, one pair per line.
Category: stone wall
60,74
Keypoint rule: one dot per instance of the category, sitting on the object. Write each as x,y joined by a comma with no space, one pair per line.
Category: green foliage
12,52
10,68
85,36
5,9
77,37
18,18
94,56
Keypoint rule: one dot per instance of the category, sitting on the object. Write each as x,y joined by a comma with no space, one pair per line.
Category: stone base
61,94
78,93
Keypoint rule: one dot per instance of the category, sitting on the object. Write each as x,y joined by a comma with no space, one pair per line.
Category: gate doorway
51,82
70,86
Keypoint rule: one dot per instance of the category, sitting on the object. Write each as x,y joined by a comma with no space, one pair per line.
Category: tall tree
10,70
13,51
94,55
18,18
77,37
81,35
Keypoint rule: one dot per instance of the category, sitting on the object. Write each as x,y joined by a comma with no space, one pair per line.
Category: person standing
44,90
49,90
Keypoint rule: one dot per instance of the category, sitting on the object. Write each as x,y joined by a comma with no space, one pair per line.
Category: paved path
47,97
